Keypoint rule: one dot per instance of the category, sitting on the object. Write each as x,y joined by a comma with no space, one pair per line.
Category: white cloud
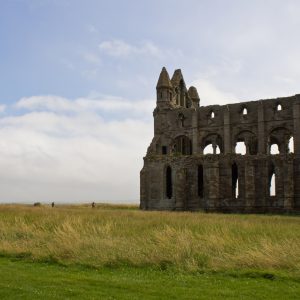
119,48
92,58
2,108
210,94
293,10
104,104
64,150
90,74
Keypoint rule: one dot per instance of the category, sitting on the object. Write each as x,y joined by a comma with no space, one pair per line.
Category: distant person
52,204
93,205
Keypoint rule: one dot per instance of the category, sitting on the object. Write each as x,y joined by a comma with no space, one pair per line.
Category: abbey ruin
179,175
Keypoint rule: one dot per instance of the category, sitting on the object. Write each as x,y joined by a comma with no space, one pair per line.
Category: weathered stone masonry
178,176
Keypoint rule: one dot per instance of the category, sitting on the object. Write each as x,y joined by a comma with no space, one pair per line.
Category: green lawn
32,280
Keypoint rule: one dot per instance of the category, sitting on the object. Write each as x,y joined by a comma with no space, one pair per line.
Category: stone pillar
264,179
296,135
156,186
214,148
288,184
180,189
195,131
249,184
225,183
261,182
227,136
211,183
143,189
261,129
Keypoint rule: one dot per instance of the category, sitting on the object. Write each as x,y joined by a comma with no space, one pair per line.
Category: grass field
124,253
23,280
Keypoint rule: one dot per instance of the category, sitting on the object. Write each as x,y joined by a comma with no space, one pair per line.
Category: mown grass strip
23,280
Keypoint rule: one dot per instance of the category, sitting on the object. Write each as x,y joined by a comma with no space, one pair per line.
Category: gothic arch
281,137
250,140
213,139
182,145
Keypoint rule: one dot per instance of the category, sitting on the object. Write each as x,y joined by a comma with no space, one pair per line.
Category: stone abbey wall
177,175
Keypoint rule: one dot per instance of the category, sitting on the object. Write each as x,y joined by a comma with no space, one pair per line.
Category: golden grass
115,236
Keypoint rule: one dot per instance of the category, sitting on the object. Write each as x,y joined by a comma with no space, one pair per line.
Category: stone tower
178,174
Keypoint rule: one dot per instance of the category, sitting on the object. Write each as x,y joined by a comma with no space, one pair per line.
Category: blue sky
77,82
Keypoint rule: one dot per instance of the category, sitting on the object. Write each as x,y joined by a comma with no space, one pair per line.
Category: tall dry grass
187,241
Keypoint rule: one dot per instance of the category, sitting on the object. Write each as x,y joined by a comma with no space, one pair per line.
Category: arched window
279,141
246,143
200,181
212,144
245,111
278,107
183,145
274,149
235,181
210,150
240,148
169,185
272,181
164,150
212,115
291,145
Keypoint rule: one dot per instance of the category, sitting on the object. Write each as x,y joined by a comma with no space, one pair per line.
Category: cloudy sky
77,83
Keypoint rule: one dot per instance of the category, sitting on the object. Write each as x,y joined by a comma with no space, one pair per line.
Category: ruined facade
178,175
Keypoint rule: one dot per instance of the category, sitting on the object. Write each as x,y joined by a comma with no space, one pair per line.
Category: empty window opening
235,181
183,145
212,115
209,149
245,111
291,145
164,150
272,186
237,189
169,187
272,181
161,95
200,181
274,149
170,96
279,107
240,148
